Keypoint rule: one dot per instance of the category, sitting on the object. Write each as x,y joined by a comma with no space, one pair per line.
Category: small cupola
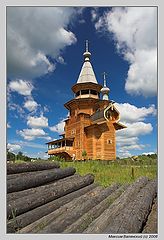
105,90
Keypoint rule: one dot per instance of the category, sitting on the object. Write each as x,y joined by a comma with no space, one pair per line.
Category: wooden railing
60,149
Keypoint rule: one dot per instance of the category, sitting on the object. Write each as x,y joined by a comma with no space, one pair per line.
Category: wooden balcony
60,150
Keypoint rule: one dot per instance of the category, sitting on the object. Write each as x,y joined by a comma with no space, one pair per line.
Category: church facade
90,130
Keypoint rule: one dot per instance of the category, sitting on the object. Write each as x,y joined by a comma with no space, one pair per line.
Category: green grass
119,171
106,174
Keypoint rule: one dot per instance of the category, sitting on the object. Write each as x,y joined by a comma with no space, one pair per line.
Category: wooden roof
61,140
119,126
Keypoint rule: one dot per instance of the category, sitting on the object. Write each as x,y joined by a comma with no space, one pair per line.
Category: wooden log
26,174
44,221
15,195
26,203
99,224
38,179
152,222
71,215
29,217
29,167
83,222
133,217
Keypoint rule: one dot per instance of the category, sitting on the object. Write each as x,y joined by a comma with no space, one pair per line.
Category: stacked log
15,195
13,168
37,179
83,222
38,225
34,200
69,212
132,219
101,223
60,223
31,216
151,224
42,198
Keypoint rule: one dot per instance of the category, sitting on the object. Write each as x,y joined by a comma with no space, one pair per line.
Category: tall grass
106,174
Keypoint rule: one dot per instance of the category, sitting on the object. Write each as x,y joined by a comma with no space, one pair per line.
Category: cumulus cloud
130,113
30,105
31,134
21,86
13,147
59,128
134,31
136,129
37,122
128,139
33,34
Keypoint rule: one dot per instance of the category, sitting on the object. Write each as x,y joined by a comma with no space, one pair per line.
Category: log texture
29,167
22,183
152,223
99,224
133,217
83,222
26,203
44,221
71,215
29,217
15,195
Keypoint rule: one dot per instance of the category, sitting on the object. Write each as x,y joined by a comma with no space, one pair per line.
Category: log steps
46,199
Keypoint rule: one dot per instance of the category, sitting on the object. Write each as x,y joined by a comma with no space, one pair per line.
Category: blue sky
45,48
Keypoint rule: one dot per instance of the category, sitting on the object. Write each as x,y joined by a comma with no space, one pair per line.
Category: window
109,141
73,131
85,91
93,92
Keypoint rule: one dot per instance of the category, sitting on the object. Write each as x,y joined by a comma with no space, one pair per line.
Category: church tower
92,121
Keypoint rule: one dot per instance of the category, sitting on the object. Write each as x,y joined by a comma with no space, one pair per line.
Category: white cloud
122,141
135,33
16,107
37,122
59,128
8,125
124,154
128,139
13,147
33,34
130,113
21,86
134,147
135,129
148,153
30,105
30,144
31,134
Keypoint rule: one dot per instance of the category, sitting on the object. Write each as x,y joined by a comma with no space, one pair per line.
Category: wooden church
90,130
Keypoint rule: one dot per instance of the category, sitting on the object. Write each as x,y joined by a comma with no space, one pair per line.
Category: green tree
10,156
20,156
84,154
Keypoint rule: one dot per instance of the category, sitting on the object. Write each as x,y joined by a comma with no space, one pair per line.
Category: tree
84,154
10,156
20,156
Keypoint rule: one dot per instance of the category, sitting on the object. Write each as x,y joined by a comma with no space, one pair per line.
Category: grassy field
112,172
119,171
